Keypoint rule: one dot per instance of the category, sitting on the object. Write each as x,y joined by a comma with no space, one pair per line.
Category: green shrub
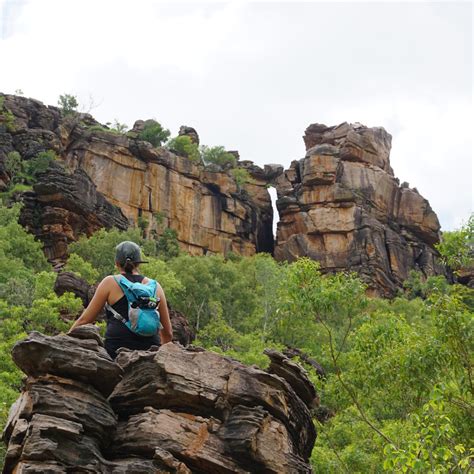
14,164
101,128
40,163
7,117
217,155
167,245
99,249
68,104
457,247
12,191
119,127
160,271
142,223
241,176
183,145
418,286
159,217
83,269
154,133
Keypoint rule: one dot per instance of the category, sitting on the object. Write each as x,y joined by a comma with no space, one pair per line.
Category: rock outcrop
208,210
174,410
64,205
342,206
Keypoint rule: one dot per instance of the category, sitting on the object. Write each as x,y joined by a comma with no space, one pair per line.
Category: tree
68,104
167,245
40,163
457,247
142,223
99,249
218,156
81,268
154,133
6,116
14,164
183,145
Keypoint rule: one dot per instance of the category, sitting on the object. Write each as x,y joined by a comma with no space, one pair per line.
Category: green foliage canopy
398,385
217,155
457,247
154,133
68,103
183,145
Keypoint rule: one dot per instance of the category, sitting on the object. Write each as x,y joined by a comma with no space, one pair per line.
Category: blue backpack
143,316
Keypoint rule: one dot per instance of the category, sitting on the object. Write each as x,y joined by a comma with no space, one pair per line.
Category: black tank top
117,334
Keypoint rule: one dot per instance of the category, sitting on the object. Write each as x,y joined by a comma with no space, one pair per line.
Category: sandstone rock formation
207,209
342,205
64,205
173,410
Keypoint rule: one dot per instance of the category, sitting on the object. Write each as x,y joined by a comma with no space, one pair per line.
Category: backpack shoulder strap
153,284
126,286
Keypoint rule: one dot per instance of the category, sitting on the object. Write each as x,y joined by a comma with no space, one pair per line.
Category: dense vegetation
397,393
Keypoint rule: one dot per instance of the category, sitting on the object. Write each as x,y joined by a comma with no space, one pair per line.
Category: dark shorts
118,335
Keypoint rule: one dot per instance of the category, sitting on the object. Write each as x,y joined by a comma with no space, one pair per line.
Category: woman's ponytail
129,266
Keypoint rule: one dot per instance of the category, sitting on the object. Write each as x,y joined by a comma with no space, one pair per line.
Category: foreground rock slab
173,410
83,359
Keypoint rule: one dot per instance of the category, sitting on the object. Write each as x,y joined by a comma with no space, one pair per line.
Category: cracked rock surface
174,410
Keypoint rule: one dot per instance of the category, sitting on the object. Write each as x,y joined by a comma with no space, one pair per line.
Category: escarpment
340,205
173,410
152,186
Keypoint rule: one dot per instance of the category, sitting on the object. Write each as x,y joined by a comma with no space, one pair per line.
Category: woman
127,259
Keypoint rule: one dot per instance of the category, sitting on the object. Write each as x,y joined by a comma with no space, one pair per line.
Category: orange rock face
208,211
341,205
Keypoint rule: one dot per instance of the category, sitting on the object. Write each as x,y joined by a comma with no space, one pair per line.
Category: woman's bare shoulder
108,280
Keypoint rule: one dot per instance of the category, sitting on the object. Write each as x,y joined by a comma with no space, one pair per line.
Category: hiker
132,323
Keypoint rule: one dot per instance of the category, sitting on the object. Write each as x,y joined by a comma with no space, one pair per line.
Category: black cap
128,251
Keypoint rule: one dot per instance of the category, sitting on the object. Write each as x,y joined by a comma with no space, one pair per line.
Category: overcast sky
252,76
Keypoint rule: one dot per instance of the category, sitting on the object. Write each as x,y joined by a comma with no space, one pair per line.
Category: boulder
190,132
84,360
175,411
207,384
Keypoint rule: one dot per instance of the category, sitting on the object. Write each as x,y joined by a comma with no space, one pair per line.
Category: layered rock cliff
174,410
208,210
340,205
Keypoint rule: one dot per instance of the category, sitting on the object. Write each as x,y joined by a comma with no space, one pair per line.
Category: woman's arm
98,301
166,333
